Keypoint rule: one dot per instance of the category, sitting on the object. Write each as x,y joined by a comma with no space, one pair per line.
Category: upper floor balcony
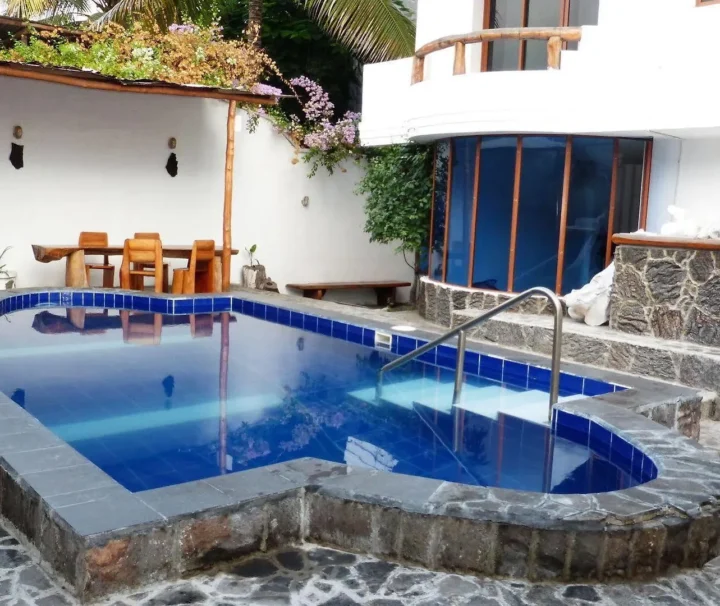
633,68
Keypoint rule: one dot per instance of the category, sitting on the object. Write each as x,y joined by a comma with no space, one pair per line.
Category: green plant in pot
7,278
253,275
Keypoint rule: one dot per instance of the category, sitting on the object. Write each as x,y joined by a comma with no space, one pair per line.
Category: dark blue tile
99,299
573,428
539,378
271,313
44,297
395,343
247,308
183,306
446,356
141,303
600,439
284,316
472,363
369,337
596,388
405,345
339,330
621,452
202,305
649,469
55,298
237,305
491,367
26,301
221,304
515,373
637,464
259,310
571,384
158,305
77,298
297,319
620,388
87,299
310,323
325,327
429,357
354,334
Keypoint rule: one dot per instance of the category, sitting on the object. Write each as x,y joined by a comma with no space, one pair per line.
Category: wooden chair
200,273
141,328
97,239
141,253
148,266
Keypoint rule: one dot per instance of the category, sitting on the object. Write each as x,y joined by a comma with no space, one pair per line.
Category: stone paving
315,576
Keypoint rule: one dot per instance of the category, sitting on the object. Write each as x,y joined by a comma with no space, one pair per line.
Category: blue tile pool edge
518,374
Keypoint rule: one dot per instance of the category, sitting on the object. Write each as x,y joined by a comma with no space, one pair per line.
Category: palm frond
162,12
28,9
376,30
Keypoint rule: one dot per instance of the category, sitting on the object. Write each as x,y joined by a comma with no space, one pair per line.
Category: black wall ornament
172,164
17,151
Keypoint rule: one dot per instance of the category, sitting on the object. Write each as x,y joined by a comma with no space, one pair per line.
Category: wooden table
74,255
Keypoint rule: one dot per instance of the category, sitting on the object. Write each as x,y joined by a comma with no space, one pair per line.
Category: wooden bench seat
385,290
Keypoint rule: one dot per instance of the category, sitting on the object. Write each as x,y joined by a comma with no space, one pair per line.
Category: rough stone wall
437,301
667,293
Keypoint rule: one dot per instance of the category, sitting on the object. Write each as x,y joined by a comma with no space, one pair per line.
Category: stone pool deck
315,576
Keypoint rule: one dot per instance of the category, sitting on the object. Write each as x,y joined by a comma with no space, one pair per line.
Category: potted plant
8,279
253,275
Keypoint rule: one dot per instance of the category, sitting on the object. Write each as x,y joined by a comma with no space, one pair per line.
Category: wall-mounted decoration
172,142
17,132
305,201
16,155
172,165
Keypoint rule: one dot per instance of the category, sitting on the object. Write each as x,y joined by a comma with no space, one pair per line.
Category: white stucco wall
95,161
698,188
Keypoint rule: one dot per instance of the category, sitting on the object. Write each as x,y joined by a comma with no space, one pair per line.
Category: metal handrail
461,333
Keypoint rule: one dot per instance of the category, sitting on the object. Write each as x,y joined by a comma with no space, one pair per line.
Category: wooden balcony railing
555,37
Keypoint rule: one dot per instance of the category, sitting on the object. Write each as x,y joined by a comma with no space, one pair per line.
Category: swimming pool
184,390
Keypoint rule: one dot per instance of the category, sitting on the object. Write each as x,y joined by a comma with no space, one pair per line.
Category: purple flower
176,28
318,106
266,89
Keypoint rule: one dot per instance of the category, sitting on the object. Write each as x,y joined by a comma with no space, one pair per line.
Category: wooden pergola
13,29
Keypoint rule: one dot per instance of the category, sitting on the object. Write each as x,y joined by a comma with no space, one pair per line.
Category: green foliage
398,186
298,46
3,271
185,54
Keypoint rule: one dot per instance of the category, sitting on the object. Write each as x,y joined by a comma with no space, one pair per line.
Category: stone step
674,361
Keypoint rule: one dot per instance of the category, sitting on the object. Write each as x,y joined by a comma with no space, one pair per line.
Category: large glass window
494,212
498,189
541,13
460,209
503,55
588,210
437,229
538,230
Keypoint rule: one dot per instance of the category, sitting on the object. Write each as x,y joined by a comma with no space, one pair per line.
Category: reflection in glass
503,55
629,185
588,210
494,213
583,12
440,199
461,207
540,13
538,230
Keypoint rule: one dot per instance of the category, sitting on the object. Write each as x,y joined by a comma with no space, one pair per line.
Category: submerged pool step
154,419
488,400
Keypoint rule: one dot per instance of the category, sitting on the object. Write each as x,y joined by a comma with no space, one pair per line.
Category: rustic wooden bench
385,290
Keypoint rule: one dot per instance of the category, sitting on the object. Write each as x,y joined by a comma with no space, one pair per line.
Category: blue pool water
149,399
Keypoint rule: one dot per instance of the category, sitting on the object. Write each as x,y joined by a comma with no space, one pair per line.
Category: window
506,55
499,204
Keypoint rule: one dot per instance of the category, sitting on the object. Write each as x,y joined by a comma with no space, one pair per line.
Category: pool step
487,400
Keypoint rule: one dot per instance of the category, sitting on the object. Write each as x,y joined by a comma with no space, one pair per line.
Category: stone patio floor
314,576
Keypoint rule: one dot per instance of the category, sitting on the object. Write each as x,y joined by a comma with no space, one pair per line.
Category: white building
537,167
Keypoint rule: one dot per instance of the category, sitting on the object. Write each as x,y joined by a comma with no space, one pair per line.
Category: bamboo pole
227,206
459,66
